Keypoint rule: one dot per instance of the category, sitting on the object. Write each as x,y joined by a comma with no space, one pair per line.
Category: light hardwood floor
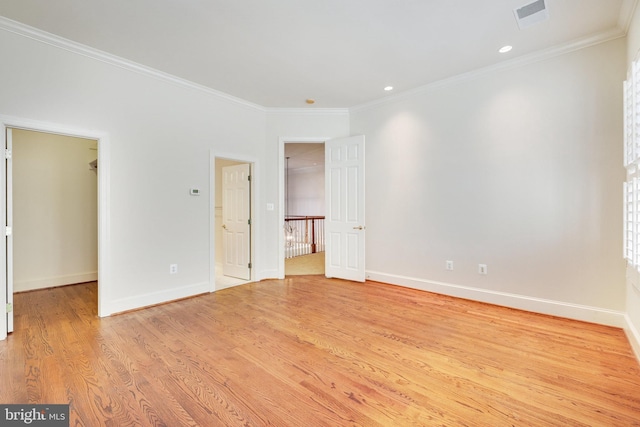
309,351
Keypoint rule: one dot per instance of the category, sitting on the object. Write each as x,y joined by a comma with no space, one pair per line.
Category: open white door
9,227
344,193
236,221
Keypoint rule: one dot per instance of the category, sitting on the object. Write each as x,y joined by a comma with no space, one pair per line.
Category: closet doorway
52,211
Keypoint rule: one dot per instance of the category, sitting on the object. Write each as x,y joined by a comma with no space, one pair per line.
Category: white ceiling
304,155
342,53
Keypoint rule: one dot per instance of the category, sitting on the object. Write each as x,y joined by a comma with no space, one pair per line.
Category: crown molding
309,111
89,52
41,36
531,58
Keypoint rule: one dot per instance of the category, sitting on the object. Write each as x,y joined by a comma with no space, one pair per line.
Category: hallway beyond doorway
304,264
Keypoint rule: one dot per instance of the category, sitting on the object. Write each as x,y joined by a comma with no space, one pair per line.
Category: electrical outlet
449,265
173,269
482,268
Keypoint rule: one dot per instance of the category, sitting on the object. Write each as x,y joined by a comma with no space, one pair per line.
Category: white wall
633,276
306,191
292,126
55,219
519,169
160,137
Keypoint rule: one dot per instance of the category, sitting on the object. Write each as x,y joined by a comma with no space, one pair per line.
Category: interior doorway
304,208
233,238
104,259
344,203
51,203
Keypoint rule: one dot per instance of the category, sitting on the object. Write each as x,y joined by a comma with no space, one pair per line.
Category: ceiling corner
627,9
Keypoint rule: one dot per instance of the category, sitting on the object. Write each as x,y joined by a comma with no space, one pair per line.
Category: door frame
281,191
255,213
104,259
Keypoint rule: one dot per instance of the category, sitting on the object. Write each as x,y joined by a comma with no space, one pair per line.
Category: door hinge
249,265
249,221
248,177
7,154
8,231
9,307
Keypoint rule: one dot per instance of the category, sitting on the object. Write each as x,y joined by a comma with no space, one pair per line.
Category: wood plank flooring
308,351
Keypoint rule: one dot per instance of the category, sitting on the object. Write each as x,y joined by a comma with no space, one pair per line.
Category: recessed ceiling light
388,88
310,101
505,49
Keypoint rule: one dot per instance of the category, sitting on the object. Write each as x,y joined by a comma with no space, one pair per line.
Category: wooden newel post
313,236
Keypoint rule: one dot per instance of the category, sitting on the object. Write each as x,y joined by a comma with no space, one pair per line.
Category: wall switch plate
173,269
482,268
449,265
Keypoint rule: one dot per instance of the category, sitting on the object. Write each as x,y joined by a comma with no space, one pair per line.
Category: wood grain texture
309,351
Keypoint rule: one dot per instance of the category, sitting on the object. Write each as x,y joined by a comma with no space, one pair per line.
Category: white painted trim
281,209
36,34
269,274
630,328
633,335
104,241
4,326
154,298
50,282
521,302
506,65
309,111
33,33
212,222
104,224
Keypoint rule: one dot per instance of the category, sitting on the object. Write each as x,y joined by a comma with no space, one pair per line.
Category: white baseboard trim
146,300
633,335
50,282
267,274
521,302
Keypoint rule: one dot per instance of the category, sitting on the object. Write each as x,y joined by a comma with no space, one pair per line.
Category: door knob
358,228
224,226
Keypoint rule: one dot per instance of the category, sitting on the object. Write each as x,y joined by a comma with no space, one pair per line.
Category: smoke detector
531,13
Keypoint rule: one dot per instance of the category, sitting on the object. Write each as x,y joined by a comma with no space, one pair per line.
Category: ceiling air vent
531,13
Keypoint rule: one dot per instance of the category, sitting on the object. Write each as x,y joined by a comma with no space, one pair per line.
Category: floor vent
531,13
